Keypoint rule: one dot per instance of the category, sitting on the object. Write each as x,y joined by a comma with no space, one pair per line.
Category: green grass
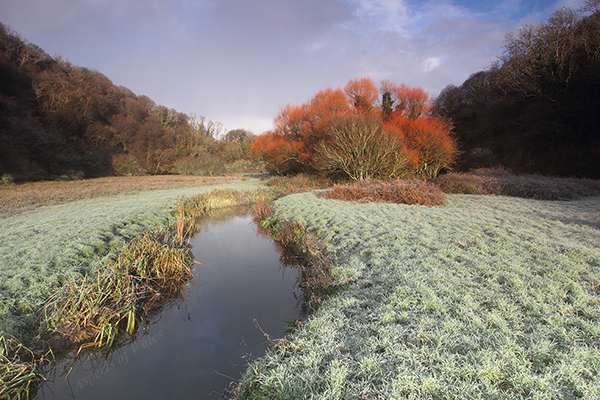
19,369
54,246
486,297
94,295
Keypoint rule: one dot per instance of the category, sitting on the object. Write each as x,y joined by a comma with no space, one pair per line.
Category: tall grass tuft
19,369
399,191
95,312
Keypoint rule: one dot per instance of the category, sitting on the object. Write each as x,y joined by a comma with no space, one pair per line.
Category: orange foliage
281,155
363,93
301,132
430,140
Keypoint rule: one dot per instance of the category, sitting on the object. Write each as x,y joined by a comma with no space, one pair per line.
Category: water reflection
195,348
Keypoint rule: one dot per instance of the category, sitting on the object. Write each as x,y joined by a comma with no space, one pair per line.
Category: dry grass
16,198
262,210
19,369
302,250
149,272
399,191
298,183
499,181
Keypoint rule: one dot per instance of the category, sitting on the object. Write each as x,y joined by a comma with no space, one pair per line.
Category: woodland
536,109
60,121
533,111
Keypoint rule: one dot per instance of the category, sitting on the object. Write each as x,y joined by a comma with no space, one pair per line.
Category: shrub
127,165
499,181
399,191
352,133
468,184
7,179
359,148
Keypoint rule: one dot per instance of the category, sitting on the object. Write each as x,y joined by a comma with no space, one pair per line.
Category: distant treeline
59,120
538,108
535,110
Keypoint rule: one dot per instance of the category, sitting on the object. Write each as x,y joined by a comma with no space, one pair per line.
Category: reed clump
95,312
399,191
501,181
19,369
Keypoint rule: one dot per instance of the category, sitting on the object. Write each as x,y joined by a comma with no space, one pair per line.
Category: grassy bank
485,297
51,246
114,262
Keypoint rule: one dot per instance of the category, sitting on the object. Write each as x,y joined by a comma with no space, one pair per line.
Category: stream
196,347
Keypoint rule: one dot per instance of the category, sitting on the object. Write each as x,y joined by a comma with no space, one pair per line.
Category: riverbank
47,246
131,240
486,297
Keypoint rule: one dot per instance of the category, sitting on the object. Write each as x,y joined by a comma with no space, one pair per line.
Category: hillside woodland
536,109
58,120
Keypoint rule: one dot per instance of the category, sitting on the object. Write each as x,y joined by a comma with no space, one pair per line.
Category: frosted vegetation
44,248
486,297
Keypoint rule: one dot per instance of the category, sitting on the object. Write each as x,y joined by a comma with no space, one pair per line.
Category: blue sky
239,61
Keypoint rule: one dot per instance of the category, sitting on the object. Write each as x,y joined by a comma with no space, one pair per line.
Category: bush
356,134
359,148
7,179
127,165
400,191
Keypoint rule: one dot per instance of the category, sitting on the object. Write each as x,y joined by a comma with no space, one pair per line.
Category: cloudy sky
239,61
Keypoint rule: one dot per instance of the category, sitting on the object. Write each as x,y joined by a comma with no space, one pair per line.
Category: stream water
197,347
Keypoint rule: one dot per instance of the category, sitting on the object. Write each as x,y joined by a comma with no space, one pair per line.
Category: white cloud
390,15
431,63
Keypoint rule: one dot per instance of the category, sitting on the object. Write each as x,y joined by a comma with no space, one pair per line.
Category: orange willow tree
359,132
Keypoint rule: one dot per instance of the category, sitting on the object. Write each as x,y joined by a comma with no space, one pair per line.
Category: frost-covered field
42,248
487,297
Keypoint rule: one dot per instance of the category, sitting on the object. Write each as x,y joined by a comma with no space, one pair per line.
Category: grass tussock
500,181
19,369
302,250
399,191
97,311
